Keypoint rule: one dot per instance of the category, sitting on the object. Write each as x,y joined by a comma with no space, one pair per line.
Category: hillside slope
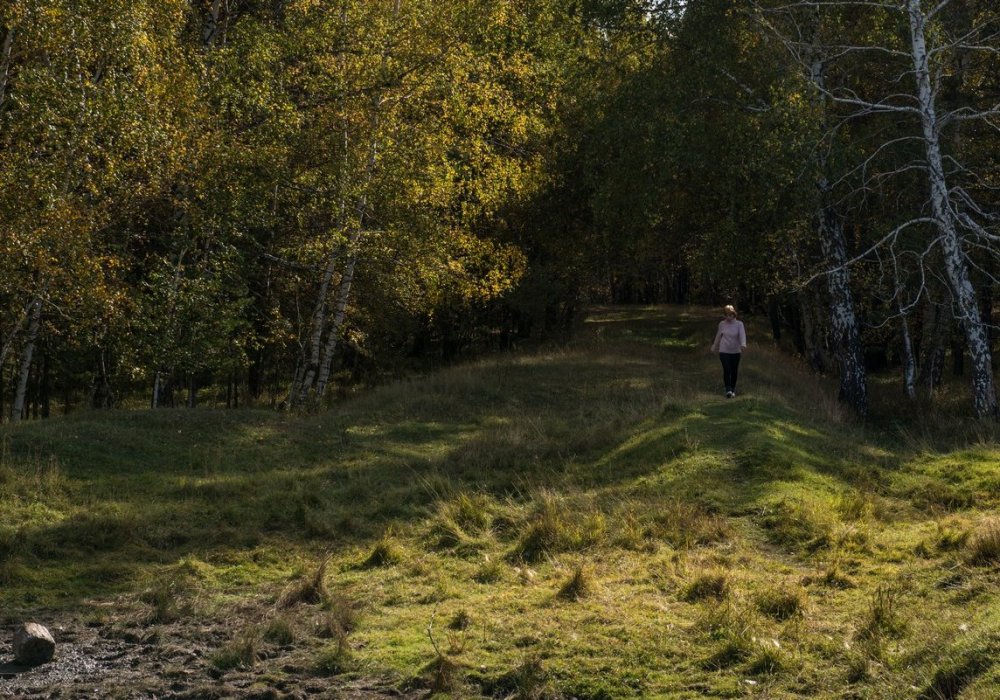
589,521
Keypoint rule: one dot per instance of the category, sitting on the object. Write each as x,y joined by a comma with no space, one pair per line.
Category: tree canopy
265,200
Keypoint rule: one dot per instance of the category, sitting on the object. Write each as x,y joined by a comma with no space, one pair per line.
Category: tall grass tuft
782,603
310,589
983,546
240,652
882,617
578,586
385,552
553,527
708,584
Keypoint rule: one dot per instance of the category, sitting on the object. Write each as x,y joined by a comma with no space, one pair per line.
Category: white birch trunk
909,362
843,320
307,372
17,409
337,324
956,269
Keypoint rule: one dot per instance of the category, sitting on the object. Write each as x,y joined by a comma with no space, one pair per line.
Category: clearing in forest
593,520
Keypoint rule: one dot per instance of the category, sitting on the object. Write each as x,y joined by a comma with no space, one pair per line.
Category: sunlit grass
603,520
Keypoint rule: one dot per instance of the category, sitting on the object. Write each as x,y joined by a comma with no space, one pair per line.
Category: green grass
599,519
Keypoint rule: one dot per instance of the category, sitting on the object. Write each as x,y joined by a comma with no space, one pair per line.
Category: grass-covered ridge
591,521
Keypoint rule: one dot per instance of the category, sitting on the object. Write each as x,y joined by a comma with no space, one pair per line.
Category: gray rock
33,645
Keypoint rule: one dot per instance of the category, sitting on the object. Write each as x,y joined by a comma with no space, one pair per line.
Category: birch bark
843,319
17,408
984,396
307,373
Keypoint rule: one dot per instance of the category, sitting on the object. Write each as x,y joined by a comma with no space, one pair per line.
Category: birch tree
914,44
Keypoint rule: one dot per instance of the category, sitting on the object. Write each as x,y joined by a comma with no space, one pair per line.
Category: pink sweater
731,337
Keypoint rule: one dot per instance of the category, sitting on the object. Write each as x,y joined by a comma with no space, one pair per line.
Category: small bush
683,524
448,534
937,494
461,621
856,505
961,666
832,577
548,530
767,658
341,617
799,524
527,681
333,658
444,675
471,512
168,601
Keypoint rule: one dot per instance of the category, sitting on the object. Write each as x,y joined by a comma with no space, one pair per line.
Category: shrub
799,524
490,571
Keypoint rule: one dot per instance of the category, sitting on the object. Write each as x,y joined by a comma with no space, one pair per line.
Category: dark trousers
730,368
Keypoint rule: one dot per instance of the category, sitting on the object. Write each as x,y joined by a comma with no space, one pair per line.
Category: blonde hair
729,309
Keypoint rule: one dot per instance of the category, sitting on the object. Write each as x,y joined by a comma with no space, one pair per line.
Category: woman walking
730,342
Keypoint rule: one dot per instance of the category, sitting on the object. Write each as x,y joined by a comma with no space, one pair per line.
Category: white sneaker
730,394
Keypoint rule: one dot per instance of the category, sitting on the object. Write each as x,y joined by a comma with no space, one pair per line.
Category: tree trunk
909,361
17,408
306,375
337,325
984,396
211,28
843,321
5,52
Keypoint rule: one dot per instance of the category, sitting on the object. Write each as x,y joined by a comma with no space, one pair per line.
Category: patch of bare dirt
122,661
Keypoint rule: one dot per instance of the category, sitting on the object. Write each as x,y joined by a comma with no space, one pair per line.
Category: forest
266,202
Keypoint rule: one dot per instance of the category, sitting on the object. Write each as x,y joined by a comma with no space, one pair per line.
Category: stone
33,645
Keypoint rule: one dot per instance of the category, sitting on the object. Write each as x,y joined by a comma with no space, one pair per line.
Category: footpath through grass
594,521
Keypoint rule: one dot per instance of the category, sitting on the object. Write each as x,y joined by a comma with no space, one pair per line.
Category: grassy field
591,521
